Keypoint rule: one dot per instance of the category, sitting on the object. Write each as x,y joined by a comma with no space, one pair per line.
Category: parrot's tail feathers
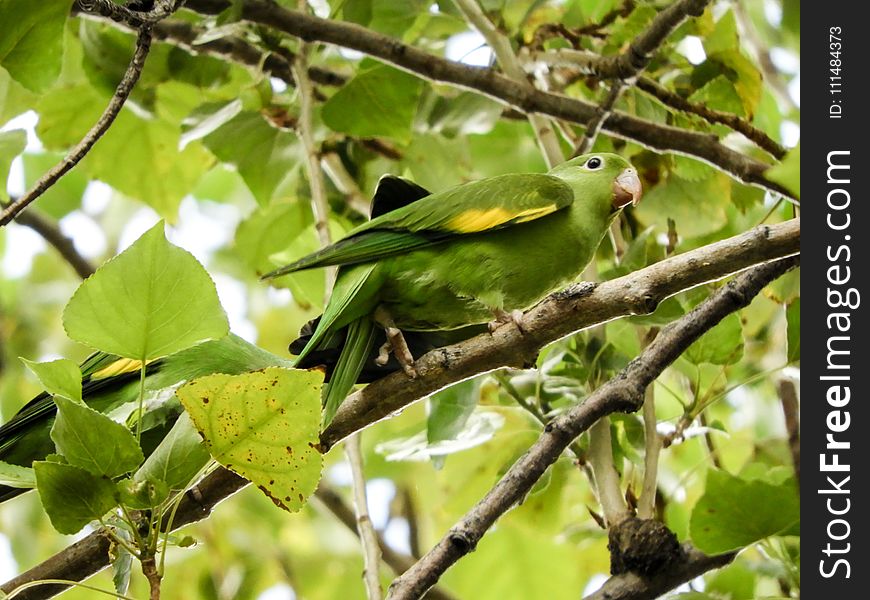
360,341
7,493
335,316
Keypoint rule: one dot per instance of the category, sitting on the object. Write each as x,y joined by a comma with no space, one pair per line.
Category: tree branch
398,562
621,394
559,315
543,130
122,92
55,237
134,18
791,411
674,100
629,586
486,81
365,529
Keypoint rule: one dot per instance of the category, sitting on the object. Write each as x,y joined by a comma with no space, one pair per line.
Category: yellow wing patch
475,220
119,367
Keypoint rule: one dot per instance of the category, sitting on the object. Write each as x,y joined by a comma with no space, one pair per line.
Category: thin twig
742,126
791,410
319,202
604,111
365,528
122,92
396,561
622,393
607,483
533,409
52,234
646,504
548,141
337,173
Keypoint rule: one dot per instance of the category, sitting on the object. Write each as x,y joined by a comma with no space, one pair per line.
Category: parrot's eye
594,163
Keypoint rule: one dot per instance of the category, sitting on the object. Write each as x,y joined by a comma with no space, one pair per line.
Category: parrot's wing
99,372
475,207
393,193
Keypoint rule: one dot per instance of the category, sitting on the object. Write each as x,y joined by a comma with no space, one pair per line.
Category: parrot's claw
503,317
395,342
384,354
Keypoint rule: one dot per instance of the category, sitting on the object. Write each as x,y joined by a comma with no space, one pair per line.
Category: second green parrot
477,253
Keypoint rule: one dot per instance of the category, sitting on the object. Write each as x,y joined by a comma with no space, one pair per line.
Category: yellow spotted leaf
265,426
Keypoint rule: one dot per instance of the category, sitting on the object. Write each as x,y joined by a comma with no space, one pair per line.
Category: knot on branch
462,541
642,546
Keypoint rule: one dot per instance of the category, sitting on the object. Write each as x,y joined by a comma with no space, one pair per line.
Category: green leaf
151,300
12,144
71,496
16,476
449,411
265,426
31,40
270,230
263,154
62,197
788,172
734,513
793,325
141,158
92,441
697,207
380,101
60,377
14,98
142,494
724,35
178,458
122,565
721,345
719,94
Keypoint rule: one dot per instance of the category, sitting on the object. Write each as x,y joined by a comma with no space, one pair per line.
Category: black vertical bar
835,358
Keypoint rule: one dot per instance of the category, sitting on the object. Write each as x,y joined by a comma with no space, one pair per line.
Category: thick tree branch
629,586
560,315
55,237
122,92
622,393
238,50
521,96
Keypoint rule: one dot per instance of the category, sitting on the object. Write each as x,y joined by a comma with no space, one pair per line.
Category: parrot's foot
503,317
395,342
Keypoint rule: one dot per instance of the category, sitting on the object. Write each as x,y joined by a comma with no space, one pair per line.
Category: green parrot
477,253
109,381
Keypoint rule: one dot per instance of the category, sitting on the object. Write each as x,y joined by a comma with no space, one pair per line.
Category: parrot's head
602,177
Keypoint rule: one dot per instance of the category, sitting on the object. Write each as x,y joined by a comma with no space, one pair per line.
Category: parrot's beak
626,189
